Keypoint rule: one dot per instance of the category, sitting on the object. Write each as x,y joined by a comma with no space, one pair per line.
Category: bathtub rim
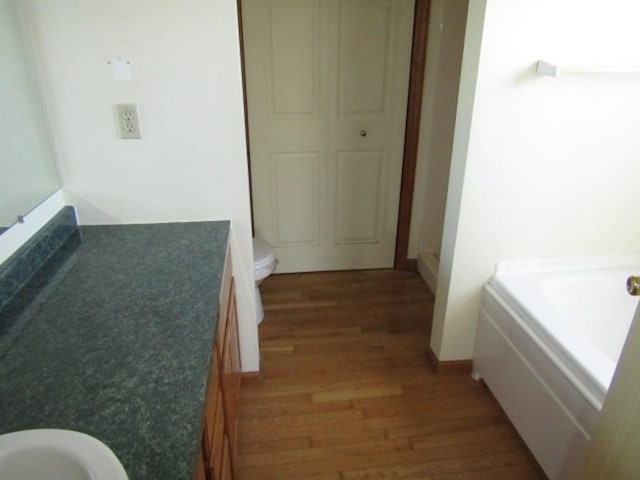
568,263
587,368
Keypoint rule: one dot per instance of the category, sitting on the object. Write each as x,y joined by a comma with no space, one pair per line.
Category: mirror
28,173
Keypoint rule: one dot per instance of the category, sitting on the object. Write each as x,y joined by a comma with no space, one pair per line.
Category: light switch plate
128,121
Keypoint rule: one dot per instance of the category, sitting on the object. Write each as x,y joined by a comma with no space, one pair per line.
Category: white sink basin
57,455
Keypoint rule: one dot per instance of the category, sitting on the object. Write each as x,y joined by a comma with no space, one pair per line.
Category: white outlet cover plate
128,120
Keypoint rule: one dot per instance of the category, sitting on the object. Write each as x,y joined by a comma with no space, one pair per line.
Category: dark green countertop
118,344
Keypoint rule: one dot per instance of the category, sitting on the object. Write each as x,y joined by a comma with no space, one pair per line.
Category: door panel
358,197
363,51
326,92
293,77
295,181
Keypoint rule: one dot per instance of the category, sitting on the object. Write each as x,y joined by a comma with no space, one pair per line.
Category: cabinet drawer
225,300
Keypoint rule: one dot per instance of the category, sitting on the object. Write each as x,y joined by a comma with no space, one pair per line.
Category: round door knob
363,133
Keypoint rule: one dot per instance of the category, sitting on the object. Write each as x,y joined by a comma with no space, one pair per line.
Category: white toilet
264,263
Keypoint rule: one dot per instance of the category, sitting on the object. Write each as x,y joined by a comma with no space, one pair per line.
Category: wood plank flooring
347,394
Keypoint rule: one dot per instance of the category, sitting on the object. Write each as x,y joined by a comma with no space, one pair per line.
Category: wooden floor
347,392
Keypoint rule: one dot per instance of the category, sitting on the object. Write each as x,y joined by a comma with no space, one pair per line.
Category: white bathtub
548,340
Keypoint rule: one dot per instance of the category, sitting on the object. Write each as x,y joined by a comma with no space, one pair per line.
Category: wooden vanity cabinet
219,436
231,377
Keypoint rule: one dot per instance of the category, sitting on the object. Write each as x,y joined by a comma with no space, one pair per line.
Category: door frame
411,135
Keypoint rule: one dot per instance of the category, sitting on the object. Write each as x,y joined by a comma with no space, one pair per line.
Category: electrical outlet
128,120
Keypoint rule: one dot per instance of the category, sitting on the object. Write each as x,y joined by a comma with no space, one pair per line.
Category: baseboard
451,367
251,377
407,264
428,265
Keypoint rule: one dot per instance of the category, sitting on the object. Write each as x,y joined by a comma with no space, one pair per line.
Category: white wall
191,163
541,167
447,20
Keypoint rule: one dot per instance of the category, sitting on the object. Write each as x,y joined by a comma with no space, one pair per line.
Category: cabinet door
217,453
226,473
201,473
216,459
212,406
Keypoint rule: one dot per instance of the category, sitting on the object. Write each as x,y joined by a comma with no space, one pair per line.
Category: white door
613,451
327,84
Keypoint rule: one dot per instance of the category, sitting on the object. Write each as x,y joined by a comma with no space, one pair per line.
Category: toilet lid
263,253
